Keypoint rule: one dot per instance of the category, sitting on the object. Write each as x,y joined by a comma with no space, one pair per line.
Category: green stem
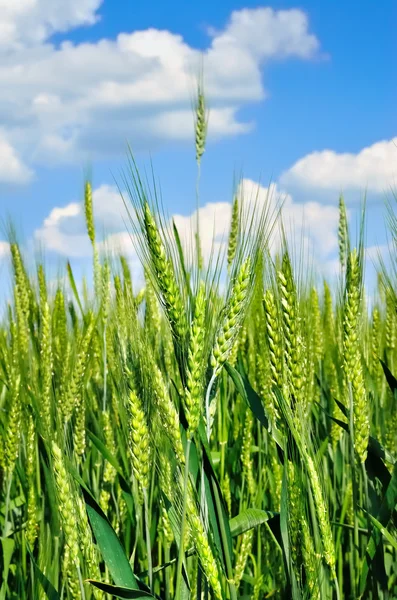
148,544
198,211
181,555
104,368
336,586
167,572
228,560
80,581
7,506
355,493
207,405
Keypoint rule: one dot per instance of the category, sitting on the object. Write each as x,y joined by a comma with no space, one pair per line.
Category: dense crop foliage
211,435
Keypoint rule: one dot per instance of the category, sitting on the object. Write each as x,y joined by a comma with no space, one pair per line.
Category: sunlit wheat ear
86,542
257,590
201,124
166,487
22,299
109,471
317,332
294,514
105,292
32,512
322,514
79,436
275,340
234,231
72,396
127,279
11,446
140,297
292,338
343,233
376,367
90,225
246,459
21,279
60,328
329,317
152,309
70,574
203,548
391,321
169,418
310,560
46,367
139,443
165,276
226,492
353,368
89,211
233,313
67,508
244,551
196,363
121,315
41,279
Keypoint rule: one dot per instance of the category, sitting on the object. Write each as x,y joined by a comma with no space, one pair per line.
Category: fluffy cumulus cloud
28,22
311,222
82,101
64,230
12,169
4,249
373,168
309,226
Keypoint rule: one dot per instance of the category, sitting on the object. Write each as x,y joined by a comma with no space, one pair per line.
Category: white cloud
214,222
310,225
27,22
59,232
64,230
109,208
12,169
4,249
264,32
374,168
83,101
177,125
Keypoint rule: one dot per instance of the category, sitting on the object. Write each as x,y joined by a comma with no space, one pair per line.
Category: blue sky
302,95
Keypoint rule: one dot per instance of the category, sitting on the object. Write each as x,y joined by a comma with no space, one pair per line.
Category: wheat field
228,430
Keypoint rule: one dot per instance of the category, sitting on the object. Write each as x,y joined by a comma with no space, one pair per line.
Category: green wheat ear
234,231
196,363
343,233
234,311
165,275
294,355
139,443
89,211
201,123
353,367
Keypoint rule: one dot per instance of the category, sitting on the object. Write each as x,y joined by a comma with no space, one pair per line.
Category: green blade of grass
383,517
109,545
117,591
248,519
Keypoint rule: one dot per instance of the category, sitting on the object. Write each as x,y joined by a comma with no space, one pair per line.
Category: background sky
301,96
